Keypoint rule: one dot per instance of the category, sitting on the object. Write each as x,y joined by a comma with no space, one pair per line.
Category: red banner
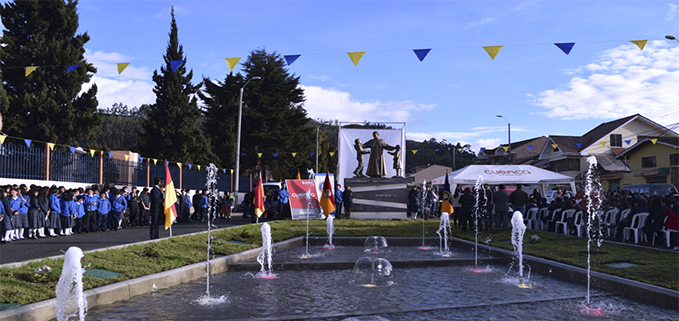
303,199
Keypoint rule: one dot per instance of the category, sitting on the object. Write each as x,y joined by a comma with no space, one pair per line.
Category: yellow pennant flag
414,151
92,151
259,155
179,165
555,146
2,139
51,145
356,56
492,51
155,161
232,62
294,154
31,69
640,43
603,144
654,140
332,154
231,171
127,158
459,148
198,167
506,148
122,66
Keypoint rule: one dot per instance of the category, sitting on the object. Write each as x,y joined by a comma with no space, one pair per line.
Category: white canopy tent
505,174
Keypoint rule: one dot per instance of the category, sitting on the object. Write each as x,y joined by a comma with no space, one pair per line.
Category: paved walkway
31,249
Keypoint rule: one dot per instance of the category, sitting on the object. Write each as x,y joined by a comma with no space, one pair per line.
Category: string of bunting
355,57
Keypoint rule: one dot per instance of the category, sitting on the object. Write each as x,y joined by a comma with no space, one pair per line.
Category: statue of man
376,164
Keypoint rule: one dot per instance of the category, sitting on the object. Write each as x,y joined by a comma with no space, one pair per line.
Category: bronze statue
376,165
397,160
360,151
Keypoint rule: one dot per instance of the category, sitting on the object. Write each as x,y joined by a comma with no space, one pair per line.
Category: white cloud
329,104
672,12
623,81
482,22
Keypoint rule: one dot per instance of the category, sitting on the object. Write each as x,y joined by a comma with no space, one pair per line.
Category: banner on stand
303,199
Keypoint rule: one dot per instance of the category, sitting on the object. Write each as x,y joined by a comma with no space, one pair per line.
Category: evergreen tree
46,104
120,127
221,116
171,130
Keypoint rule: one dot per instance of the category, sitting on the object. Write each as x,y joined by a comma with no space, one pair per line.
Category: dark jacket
501,201
518,197
156,198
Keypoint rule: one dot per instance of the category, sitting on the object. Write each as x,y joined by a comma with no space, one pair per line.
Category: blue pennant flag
175,64
312,153
72,149
275,154
436,150
224,169
629,141
28,142
565,47
483,149
242,154
167,163
421,53
190,166
110,155
71,68
530,147
579,145
141,159
290,58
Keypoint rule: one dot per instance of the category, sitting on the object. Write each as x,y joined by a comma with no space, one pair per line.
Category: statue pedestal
379,197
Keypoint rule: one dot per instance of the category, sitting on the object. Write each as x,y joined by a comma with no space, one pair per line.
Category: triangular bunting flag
224,169
232,62
2,139
530,147
555,146
92,151
179,164
654,140
231,171
414,151
293,154
167,163
190,165
459,148
356,56
127,158
492,51
603,144
565,47
198,166
259,155
629,141
51,145
640,43
289,59
275,154
72,149
483,149
506,148
332,154
579,145
71,68
312,153
175,64
31,69
242,154
421,53
155,161
436,150
28,142
122,66
110,155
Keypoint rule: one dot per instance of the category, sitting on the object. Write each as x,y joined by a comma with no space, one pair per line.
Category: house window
616,140
674,159
648,162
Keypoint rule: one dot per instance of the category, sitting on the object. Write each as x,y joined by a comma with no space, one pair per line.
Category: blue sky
454,94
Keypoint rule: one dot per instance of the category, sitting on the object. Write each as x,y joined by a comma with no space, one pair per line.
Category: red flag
327,199
259,198
170,199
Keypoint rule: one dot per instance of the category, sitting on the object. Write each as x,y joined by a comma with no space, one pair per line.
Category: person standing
91,206
338,201
283,201
145,206
196,201
156,199
118,206
185,206
413,202
519,199
133,206
103,209
501,208
348,200
467,202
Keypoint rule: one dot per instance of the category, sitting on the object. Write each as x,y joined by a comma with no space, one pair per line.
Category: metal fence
18,160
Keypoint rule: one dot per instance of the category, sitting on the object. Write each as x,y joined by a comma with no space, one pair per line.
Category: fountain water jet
478,189
330,229
518,230
265,256
372,272
70,299
375,244
444,226
593,198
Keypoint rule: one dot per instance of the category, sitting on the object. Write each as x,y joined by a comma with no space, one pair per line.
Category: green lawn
21,285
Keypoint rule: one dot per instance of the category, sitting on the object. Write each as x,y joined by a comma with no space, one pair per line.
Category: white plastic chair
565,215
579,223
531,219
543,213
665,231
610,218
554,214
638,221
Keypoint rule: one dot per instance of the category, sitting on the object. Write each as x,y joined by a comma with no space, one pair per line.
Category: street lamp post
240,117
671,37
509,138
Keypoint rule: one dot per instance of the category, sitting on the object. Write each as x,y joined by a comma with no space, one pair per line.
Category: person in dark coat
501,198
519,199
467,202
347,200
156,199
413,202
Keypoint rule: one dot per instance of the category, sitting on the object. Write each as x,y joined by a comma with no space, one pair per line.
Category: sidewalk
31,249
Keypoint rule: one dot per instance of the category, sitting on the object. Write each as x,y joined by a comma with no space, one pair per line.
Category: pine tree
171,130
221,113
46,105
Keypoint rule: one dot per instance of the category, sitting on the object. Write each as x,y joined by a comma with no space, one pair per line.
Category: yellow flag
92,151
51,145
179,165
2,139
127,157
640,43
332,154
198,167
155,161
603,144
356,56
492,51
506,148
414,151
232,62
122,66
259,155
231,171
31,69
555,146
294,154
654,140
459,148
